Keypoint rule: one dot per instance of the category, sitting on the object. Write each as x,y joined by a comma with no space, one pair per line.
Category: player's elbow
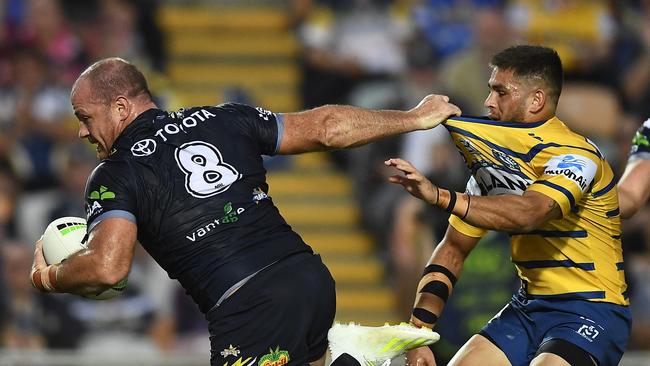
109,274
527,221
627,202
335,134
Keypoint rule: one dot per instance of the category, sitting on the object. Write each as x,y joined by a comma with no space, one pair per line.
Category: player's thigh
479,351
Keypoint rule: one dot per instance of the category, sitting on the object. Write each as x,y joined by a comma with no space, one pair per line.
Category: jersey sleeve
566,178
109,193
460,225
263,126
640,148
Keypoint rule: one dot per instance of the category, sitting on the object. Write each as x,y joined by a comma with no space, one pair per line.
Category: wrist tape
433,291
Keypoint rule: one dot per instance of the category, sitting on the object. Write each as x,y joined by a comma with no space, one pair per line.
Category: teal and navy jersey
640,148
578,256
194,183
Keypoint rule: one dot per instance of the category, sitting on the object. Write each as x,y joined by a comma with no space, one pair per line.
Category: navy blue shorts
600,328
282,315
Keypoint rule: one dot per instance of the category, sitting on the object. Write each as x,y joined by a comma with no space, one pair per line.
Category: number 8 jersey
194,184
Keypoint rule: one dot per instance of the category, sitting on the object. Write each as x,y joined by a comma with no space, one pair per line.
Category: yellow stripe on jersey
576,257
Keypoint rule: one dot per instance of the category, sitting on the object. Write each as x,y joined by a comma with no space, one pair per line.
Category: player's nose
83,131
489,101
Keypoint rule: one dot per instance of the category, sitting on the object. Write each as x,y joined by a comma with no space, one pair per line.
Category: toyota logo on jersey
144,147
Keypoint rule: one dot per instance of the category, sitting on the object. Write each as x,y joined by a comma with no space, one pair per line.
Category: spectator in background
462,74
636,78
23,326
8,194
354,53
36,123
46,29
348,44
581,31
35,119
77,160
447,24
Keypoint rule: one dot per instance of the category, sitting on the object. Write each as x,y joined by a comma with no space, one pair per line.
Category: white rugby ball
64,237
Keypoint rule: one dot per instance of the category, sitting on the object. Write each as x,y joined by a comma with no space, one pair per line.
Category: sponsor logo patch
274,358
144,147
102,194
230,215
576,168
94,209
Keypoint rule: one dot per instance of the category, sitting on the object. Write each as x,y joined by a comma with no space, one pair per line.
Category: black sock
345,360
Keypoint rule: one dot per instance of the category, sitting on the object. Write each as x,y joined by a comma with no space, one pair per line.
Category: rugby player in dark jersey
190,187
634,186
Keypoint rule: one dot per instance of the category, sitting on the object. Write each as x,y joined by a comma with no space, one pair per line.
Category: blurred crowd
370,53
44,45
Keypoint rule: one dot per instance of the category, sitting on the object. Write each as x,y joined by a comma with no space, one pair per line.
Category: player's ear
538,101
122,107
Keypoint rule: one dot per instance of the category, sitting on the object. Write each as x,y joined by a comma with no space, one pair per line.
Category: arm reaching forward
508,212
336,127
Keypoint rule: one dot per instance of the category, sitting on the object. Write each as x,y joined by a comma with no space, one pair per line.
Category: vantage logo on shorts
577,168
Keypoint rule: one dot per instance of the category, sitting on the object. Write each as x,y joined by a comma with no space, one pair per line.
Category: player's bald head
112,77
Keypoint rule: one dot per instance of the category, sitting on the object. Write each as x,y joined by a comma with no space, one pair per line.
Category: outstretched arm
634,187
336,126
508,212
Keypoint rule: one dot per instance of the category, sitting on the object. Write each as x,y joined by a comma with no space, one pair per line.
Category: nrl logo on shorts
144,147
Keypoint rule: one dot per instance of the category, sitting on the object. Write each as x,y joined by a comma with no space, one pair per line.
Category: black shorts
282,315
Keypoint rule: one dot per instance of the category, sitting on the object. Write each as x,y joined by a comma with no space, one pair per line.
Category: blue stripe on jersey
530,155
558,233
279,119
613,213
487,121
616,237
585,295
609,187
620,266
110,214
566,192
567,263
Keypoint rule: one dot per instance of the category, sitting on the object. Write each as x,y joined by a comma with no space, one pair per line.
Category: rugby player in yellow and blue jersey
555,194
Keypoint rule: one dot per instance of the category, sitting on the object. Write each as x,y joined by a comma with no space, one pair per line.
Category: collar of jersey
488,121
147,116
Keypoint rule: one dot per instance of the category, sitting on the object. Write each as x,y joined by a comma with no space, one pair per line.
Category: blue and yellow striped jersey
578,256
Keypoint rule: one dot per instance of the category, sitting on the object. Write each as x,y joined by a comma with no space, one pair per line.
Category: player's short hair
112,77
533,62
